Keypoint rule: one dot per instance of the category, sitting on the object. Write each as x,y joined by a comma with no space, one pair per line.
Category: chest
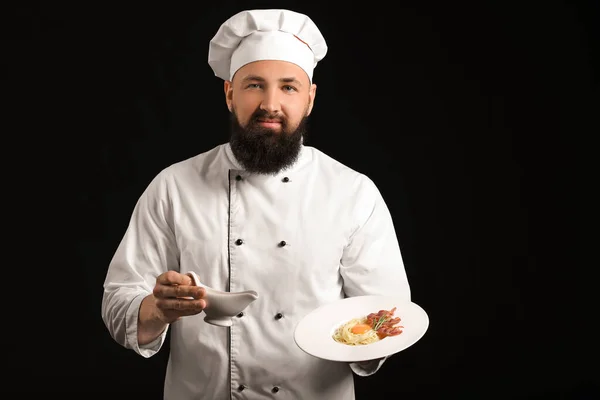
247,232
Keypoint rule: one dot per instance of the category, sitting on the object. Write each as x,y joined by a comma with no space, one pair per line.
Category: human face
269,105
278,90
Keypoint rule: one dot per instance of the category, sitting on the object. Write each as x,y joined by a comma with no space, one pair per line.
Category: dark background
475,119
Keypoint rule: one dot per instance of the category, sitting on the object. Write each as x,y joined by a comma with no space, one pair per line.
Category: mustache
262,114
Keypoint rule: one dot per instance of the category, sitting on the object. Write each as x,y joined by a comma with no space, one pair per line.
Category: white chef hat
255,35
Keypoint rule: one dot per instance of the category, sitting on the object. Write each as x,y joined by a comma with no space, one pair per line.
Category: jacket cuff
367,368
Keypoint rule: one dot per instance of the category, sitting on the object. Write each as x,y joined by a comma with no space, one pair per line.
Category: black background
475,119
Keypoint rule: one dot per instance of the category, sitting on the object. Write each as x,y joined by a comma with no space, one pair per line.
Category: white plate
314,332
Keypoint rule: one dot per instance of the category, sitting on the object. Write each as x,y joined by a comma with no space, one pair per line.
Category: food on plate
370,329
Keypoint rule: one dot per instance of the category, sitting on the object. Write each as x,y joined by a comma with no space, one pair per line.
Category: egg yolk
359,329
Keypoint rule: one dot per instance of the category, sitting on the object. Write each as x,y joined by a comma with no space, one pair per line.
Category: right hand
176,296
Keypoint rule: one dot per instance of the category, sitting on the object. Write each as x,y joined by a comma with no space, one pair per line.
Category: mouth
269,123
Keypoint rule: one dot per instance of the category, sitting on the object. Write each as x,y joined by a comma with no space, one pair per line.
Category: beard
262,150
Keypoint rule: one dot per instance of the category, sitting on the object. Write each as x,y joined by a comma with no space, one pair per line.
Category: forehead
272,70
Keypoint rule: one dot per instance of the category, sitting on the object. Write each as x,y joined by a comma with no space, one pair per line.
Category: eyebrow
260,79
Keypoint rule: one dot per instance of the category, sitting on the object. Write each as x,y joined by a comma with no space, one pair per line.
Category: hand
176,296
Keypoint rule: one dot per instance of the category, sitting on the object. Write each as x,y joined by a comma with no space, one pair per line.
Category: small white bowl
222,306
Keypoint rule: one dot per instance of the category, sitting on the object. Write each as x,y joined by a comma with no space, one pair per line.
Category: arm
147,250
150,324
372,262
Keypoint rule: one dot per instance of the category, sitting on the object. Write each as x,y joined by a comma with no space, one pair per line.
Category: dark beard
263,151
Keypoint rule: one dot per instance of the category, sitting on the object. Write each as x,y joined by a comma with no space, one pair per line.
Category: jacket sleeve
147,249
372,263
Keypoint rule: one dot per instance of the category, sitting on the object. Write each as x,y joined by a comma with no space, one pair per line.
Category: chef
262,212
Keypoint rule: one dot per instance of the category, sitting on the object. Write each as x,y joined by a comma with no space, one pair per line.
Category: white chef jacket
207,215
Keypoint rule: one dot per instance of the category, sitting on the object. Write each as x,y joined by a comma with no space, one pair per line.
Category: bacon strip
385,323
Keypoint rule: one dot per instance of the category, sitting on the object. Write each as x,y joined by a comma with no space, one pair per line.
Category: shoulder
347,176
192,166
185,171
194,163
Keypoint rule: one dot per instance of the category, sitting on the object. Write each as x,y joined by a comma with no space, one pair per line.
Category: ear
312,93
228,88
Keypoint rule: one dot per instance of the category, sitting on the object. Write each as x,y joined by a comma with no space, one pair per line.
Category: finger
173,278
185,313
181,305
198,306
165,291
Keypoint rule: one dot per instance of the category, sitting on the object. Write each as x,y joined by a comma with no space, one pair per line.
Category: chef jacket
312,234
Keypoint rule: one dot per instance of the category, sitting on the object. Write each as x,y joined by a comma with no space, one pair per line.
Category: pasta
345,335
369,329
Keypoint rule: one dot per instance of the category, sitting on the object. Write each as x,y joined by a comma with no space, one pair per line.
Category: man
262,212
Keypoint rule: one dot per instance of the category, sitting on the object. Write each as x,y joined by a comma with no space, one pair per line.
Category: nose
270,102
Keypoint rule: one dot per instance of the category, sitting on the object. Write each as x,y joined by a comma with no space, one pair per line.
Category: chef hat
266,35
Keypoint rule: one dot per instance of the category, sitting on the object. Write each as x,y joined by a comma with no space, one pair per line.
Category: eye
253,86
289,88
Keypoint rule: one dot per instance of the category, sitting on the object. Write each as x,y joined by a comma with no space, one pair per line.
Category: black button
278,315
282,243
241,387
240,315
286,179
239,242
238,178
275,389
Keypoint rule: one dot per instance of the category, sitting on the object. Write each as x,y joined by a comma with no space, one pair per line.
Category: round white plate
314,332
